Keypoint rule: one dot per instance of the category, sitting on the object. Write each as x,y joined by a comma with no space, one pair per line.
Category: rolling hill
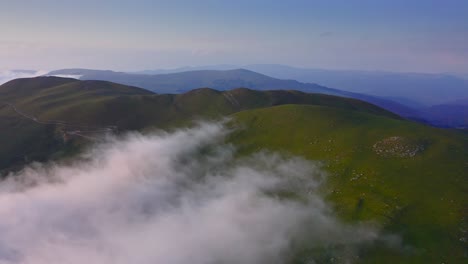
62,108
416,90
226,80
450,114
185,81
406,178
416,96
28,134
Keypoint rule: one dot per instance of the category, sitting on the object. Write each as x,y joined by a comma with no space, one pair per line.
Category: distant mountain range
410,88
452,114
416,90
413,89
188,80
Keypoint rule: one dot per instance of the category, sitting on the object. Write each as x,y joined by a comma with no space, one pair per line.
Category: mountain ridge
378,83
405,177
104,105
230,79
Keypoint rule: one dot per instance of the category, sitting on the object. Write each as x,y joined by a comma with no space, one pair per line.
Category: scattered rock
397,146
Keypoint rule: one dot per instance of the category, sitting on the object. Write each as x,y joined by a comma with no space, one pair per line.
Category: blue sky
397,35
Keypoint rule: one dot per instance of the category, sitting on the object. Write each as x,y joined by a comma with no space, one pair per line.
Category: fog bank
170,198
8,75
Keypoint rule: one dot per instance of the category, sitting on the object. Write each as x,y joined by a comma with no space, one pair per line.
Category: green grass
423,198
100,103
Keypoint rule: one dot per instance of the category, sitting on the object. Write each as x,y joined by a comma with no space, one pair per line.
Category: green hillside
227,80
95,106
106,103
405,177
408,178
47,98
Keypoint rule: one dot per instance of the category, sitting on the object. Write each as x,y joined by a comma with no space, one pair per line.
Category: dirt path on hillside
72,129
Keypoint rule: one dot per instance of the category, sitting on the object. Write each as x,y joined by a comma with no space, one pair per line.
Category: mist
8,75
181,197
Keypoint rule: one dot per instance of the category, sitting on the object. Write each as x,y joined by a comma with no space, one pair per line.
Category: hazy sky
397,35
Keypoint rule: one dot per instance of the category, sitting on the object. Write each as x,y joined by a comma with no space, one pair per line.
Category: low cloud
171,198
73,76
8,75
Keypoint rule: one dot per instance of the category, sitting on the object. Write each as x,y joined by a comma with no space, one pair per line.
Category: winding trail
79,129
231,98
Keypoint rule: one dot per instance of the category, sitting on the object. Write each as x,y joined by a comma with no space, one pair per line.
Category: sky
129,35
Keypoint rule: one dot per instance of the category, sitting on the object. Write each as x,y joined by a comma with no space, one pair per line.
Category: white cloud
74,76
8,75
169,198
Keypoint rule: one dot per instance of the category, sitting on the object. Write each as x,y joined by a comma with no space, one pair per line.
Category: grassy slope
229,79
105,103
100,103
421,198
23,140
